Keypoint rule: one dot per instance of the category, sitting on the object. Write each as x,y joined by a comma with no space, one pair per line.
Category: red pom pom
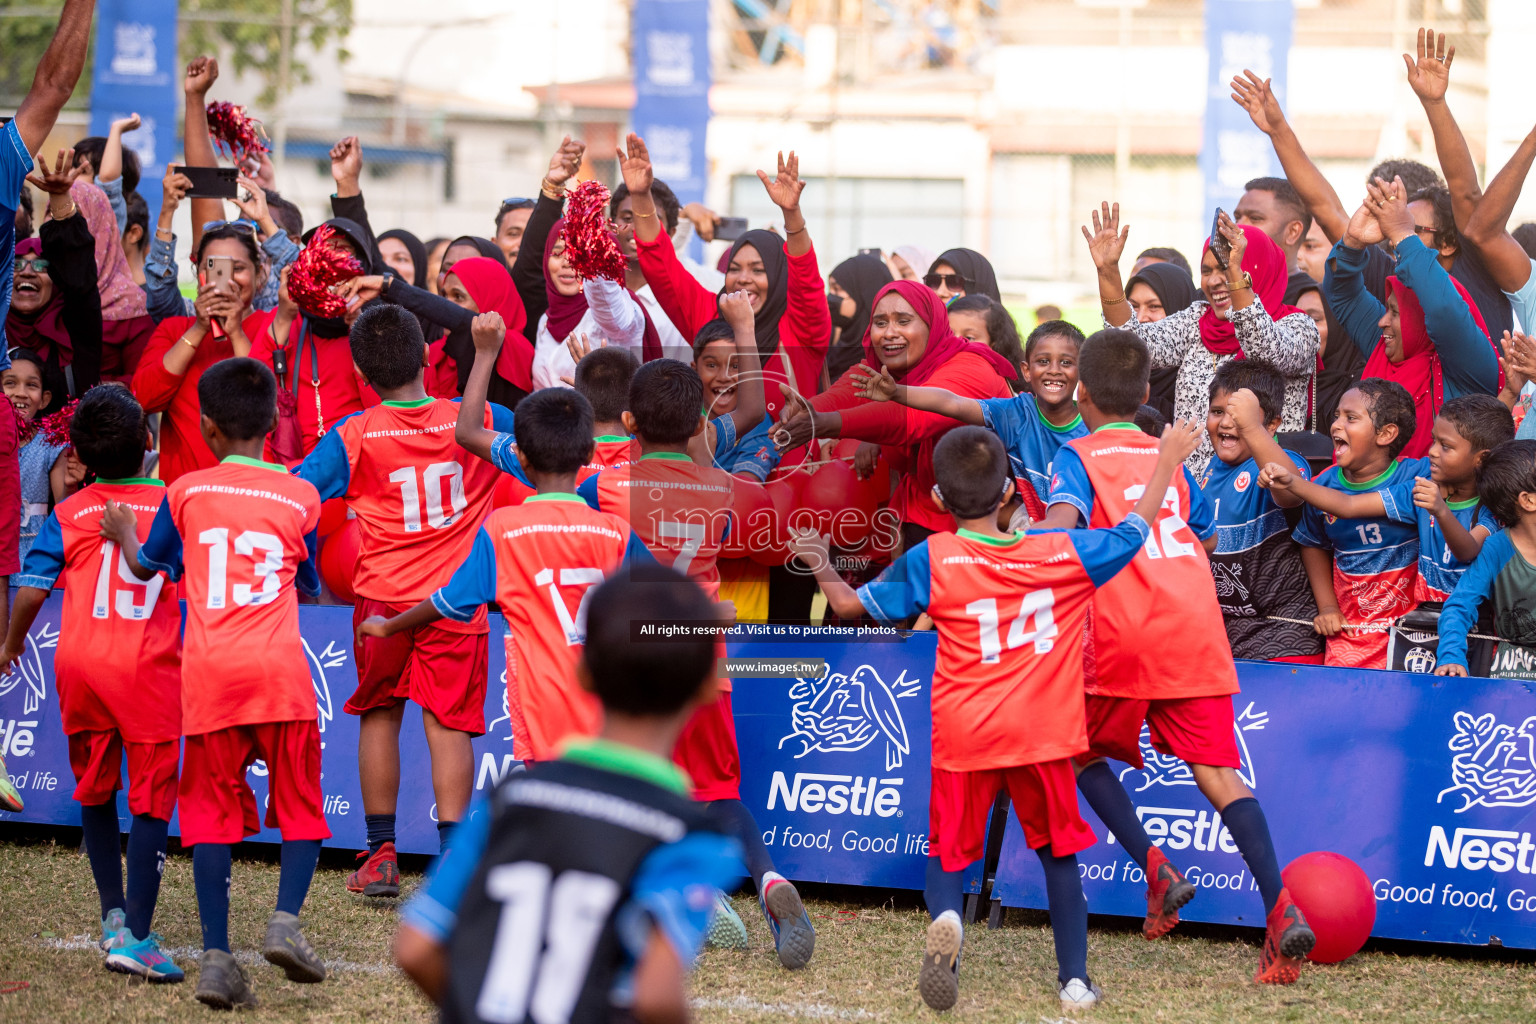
235,132
318,267
590,247
55,426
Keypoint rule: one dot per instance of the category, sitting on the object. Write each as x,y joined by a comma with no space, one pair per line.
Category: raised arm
1278,477
471,433
751,402
1429,77
528,268
1248,417
1356,309
1488,228
198,147
688,304
784,189
56,75
1105,244
880,386
1257,97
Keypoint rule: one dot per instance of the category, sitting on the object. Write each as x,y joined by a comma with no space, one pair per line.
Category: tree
247,35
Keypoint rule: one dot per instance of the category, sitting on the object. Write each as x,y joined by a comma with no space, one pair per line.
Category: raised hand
1275,477
736,309
287,309
1180,439
347,161
703,220
1430,75
252,201
875,385
580,346
173,187
1363,228
1389,203
1244,408
488,331
1106,242
126,124
201,74
786,186
1235,238
635,165
1520,358
1255,95
566,161
57,181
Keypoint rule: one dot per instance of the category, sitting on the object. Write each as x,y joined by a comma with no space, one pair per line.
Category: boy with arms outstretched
419,502
245,687
1007,688
118,672
581,889
1161,656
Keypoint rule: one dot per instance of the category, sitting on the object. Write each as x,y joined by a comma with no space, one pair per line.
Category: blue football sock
210,875
381,830
103,845
737,821
1250,831
296,870
1069,914
943,890
1112,804
444,831
146,863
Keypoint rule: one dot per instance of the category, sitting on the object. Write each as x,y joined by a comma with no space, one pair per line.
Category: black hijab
974,267
861,277
1175,289
776,265
417,250
484,246
336,326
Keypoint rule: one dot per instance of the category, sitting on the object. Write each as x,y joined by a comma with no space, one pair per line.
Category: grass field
864,968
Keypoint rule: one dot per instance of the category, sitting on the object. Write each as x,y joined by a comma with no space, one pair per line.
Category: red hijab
1420,371
43,332
943,344
1265,263
566,311
489,284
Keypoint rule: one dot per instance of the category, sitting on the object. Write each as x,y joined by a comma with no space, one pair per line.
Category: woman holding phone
230,273
1243,315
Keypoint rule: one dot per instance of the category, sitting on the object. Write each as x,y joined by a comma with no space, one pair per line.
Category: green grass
865,965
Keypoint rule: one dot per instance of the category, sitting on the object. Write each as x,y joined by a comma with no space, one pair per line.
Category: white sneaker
1080,994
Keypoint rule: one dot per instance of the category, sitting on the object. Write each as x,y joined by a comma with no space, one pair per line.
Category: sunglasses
36,265
247,226
954,282
516,203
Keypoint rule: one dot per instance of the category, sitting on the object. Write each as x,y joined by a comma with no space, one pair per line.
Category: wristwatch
1247,282
389,279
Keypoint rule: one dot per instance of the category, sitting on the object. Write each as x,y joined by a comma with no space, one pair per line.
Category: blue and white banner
1428,784
1240,34
671,64
137,72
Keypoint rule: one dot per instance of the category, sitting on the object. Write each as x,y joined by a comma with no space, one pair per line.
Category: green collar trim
667,456
626,760
1077,421
133,480
613,437
1457,506
246,460
1001,542
556,496
1374,481
415,403
1116,426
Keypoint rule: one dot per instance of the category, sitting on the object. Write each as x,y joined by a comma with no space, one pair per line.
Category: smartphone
728,229
876,253
1220,247
211,182
218,271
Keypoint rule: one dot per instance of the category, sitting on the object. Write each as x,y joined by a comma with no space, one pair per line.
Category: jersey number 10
432,479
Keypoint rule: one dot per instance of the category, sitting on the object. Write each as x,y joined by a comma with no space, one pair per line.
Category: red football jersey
679,509
609,451
118,660
1157,628
419,498
243,526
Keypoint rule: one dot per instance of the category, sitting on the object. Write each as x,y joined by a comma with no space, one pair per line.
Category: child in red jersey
1009,608
1161,655
419,501
117,668
603,376
246,694
538,561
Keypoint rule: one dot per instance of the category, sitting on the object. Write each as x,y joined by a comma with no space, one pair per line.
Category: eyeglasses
516,203
954,282
35,265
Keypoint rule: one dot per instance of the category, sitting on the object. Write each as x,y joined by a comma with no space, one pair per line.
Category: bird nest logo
846,712
1494,764
1161,769
29,671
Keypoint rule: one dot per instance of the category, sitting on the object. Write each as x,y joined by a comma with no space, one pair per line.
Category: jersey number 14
1035,624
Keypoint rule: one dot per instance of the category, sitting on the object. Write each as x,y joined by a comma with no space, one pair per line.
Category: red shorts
1044,799
443,672
1196,730
97,760
217,804
707,752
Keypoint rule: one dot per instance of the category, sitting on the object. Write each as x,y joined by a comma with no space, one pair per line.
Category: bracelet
1112,302
190,345
643,215
797,231
551,190
74,208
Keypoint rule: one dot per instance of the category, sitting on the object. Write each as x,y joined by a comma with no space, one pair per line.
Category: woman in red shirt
781,278
909,335
182,347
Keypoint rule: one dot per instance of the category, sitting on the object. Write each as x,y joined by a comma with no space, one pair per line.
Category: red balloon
843,507
878,486
510,491
1336,897
338,560
751,512
333,516
768,535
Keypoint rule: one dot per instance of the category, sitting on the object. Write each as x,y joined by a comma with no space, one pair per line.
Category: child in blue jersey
1504,570
1032,425
1361,570
1443,506
726,358
599,854
1260,581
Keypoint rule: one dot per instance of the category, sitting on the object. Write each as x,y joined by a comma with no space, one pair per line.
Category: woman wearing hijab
779,275
851,290
906,262
1243,315
1156,291
405,254
600,310
1429,335
55,306
962,272
126,323
909,335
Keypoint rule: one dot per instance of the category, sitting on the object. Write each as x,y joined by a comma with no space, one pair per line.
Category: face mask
835,307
